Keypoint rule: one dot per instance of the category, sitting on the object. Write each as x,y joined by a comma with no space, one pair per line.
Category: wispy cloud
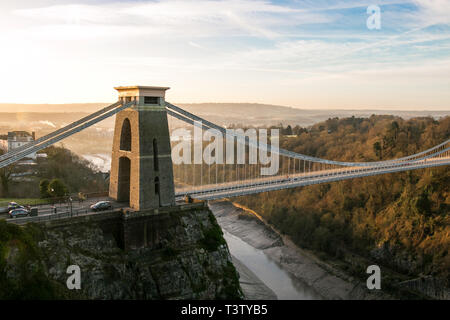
206,43
195,45
175,18
433,12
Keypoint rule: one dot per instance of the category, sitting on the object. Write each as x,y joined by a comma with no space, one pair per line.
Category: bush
213,238
43,188
57,188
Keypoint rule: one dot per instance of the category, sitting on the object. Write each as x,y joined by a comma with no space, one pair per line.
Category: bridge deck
244,187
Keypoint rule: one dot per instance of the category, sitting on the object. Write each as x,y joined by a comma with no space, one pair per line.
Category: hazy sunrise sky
306,54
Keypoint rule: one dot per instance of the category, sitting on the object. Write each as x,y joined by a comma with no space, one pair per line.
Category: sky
300,53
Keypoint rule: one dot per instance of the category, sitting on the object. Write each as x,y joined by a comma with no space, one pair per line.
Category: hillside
400,220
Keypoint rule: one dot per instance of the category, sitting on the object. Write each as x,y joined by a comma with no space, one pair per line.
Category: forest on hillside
399,220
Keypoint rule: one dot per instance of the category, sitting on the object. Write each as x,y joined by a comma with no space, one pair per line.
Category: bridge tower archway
141,147
123,192
125,135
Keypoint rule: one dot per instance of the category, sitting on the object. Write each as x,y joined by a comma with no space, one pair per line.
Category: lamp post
53,200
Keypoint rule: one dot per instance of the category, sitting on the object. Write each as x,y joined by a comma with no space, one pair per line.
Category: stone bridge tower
141,163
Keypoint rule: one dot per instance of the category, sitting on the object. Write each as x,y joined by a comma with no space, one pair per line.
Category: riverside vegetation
399,220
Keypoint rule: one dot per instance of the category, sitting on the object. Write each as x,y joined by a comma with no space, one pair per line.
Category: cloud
432,12
195,45
175,18
48,123
328,5
217,18
82,47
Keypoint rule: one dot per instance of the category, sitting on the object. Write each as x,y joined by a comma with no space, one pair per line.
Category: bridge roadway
252,186
231,189
46,212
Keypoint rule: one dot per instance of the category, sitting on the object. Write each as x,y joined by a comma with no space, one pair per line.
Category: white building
4,143
19,138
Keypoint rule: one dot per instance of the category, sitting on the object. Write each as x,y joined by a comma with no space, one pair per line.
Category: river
272,266
269,272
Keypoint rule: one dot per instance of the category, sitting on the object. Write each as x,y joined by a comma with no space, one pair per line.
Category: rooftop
19,135
141,88
141,91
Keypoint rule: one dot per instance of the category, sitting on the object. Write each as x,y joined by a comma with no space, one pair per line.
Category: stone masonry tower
141,163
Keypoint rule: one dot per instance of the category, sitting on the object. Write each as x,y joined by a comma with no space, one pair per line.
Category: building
19,138
4,142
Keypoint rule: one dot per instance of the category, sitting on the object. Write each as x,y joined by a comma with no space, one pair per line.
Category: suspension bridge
143,174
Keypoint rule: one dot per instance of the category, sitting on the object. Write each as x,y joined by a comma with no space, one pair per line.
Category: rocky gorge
184,257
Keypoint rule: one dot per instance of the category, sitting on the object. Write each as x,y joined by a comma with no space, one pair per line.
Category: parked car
101,206
14,205
20,212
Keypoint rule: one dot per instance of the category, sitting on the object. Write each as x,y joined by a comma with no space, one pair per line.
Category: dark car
20,212
102,205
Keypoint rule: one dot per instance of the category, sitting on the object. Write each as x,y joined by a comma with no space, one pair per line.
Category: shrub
57,188
43,188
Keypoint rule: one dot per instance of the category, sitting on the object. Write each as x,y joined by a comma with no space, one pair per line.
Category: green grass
31,201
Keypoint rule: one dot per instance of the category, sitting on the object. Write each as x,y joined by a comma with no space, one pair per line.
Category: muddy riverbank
313,278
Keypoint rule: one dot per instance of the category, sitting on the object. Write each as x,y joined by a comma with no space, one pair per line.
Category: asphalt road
48,209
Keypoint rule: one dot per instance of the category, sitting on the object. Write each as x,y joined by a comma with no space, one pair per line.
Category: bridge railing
57,200
48,217
208,192
57,216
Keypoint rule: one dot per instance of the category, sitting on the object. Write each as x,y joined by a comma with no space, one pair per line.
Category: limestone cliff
176,254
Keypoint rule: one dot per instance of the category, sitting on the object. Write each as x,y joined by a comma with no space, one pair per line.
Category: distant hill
51,108
223,113
263,114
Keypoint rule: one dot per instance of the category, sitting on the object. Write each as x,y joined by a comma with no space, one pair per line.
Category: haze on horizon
304,54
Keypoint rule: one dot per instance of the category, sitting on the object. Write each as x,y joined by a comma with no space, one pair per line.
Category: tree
377,149
78,174
395,128
288,130
57,188
6,177
44,188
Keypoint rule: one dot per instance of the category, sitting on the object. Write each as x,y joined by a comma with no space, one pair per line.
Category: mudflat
329,282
